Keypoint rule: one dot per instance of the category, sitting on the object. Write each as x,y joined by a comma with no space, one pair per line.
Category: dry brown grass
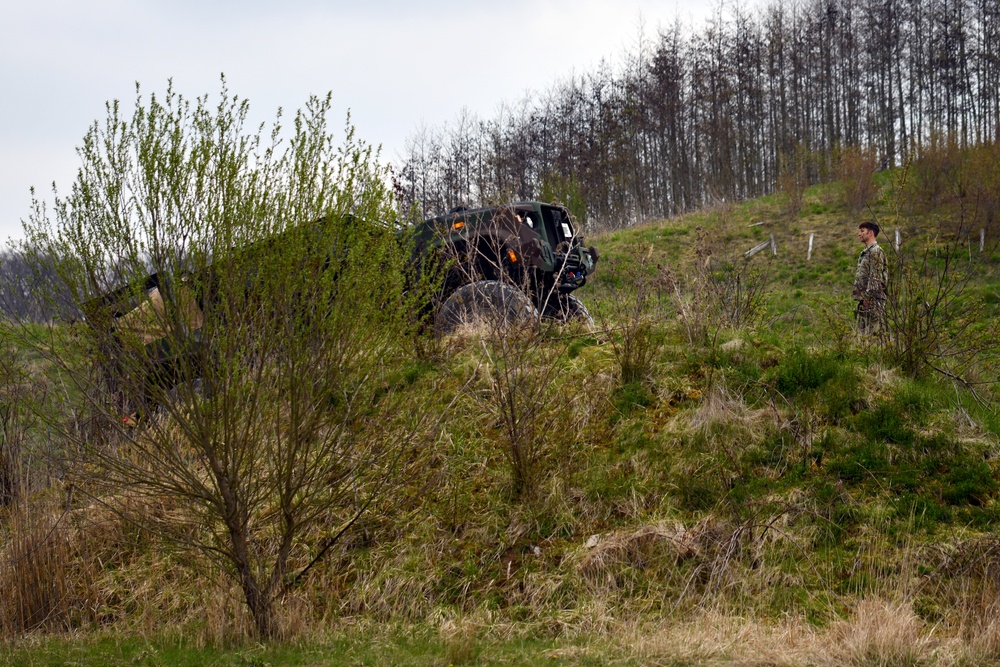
602,554
719,407
49,570
881,632
877,632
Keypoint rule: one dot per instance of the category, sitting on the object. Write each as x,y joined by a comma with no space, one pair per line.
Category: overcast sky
394,64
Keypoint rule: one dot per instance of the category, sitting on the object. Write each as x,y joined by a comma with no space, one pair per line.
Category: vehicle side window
563,222
557,225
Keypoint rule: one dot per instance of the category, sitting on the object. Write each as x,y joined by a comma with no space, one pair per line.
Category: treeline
23,281
725,113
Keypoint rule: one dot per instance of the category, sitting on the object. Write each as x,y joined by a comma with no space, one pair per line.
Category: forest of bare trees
690,118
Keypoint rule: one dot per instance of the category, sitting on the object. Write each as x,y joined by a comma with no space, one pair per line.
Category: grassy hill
721,470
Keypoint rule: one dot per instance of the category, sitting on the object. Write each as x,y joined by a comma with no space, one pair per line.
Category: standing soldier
871,280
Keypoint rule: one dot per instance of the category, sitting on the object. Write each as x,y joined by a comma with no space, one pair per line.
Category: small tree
262,364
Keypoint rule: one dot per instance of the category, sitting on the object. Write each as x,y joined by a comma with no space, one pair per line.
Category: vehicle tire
568,308
486,302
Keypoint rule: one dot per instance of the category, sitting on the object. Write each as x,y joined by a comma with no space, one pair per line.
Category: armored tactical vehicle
519,260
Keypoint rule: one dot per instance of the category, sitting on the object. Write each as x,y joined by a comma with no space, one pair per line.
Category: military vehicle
520,261
517,262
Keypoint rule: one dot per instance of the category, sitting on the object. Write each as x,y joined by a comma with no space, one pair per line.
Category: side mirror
594,254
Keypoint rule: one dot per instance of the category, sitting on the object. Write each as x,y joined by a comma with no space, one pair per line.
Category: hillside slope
721,446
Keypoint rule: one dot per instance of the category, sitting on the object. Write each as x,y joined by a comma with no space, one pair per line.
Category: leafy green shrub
743,363
885,423
829,380
270,346
916,399
968,481
859,462
632,395
801,371
922,509
841,396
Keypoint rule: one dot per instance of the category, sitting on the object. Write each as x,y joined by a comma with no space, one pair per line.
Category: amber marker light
513,257
457,226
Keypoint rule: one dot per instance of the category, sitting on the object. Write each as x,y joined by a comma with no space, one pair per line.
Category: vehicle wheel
568,308
486,302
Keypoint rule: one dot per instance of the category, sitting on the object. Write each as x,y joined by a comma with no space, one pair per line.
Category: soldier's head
867,231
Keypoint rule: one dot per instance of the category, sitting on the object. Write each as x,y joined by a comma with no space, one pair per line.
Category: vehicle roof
529,205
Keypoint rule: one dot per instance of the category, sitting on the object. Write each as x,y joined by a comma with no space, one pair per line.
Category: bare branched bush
718,290
522,394
793,180
16,419
856,173
23,281
511,311
521,363
984,185
739,289
636,311
935,321
937,176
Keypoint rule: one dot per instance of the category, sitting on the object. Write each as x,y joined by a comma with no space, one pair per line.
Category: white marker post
982,239
897,240
809,255
774,247
756,249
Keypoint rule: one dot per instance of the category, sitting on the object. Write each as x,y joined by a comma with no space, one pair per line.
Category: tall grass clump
49,572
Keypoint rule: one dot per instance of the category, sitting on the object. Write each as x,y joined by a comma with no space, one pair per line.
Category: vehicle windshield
558,227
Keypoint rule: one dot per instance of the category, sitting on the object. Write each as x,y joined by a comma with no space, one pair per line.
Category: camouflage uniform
871,279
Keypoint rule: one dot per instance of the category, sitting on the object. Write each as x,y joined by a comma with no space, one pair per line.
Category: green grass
416,647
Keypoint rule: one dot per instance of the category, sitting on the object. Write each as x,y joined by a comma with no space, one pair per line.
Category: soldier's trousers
870,320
